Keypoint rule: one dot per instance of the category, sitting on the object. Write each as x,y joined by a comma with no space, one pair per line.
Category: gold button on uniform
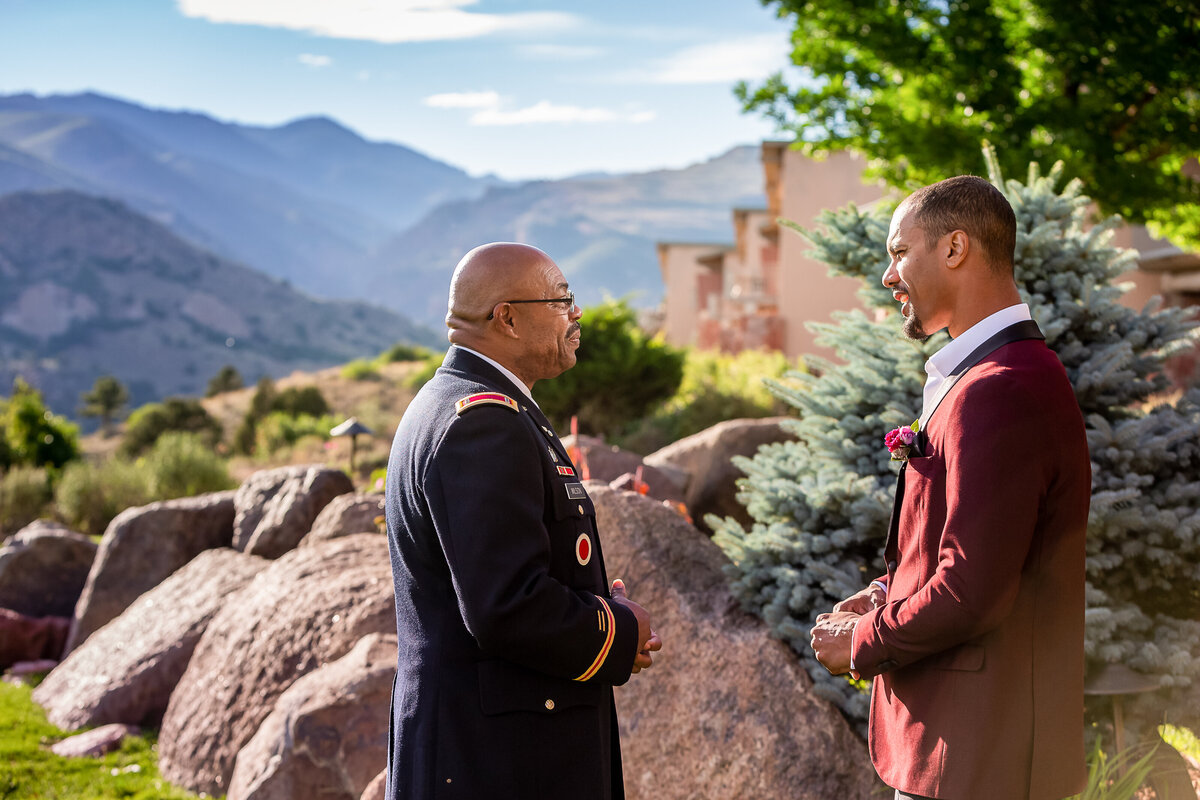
580,508
549,705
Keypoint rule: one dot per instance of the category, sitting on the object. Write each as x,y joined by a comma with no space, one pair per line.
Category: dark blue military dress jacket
509,643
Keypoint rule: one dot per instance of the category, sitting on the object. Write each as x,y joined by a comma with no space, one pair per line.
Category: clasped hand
648,641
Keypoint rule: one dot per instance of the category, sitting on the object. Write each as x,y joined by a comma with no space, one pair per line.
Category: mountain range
313,203
91,287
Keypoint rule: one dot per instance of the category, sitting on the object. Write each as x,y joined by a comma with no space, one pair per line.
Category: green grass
29,771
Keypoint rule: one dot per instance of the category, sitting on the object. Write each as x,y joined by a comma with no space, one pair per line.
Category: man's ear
956,245
504,321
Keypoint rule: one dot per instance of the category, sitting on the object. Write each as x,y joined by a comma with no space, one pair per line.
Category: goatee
913,328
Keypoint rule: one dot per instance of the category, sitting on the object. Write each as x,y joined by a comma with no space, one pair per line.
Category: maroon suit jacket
977,656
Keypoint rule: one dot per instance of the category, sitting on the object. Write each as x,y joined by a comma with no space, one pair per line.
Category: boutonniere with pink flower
900,440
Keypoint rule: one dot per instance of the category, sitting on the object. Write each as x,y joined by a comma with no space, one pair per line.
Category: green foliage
1116,777
269,403
422,376
183,465
301,400
404,352
29,771
89,495
35,435
106,399
279,430
1109,88
227,379
821,504
152,420
620,373
361,370
24,494
715,387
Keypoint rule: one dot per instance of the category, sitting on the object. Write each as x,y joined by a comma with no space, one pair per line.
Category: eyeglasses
567,302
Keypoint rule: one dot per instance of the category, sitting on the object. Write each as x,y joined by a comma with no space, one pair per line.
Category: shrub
360,370
423,375
226,380
279,430
182,465
715,387
24,494
301,400
36,436
620,373
404,352
89,495
173,414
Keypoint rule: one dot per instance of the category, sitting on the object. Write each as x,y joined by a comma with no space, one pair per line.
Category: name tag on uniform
575,491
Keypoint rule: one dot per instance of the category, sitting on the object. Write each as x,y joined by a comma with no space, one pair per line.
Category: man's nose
890,276
574,312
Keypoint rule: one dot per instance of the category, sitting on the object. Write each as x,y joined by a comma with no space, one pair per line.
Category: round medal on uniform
583,549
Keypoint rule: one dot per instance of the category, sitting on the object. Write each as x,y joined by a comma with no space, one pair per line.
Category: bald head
488,275
506,302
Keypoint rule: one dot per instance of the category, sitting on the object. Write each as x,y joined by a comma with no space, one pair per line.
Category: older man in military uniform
510,639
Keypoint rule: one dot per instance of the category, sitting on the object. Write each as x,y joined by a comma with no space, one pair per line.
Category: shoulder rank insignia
485,398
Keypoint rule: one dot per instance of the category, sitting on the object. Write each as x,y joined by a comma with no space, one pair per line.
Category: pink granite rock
277,507
25,638
308,608
95,742
327,735
346,514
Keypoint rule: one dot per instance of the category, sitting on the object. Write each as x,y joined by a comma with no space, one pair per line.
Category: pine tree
821,504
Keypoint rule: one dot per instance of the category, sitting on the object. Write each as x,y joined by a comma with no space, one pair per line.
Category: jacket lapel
1026,329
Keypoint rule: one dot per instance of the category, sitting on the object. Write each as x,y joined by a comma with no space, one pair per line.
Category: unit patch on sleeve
485,398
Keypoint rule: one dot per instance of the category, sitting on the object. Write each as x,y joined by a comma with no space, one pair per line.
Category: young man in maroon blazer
974,637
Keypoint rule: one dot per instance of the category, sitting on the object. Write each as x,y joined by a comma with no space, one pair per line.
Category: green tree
620,373
821,504
227,379
36,436
1109,87
106,399
152,420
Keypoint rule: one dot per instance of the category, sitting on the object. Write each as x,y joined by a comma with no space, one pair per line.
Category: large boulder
277,507
606,462
125,671
725,711
141,547
346,514
43,568
26,638
327,735
307,609
706,458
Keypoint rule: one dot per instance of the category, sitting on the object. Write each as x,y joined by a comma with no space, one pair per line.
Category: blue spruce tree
821,504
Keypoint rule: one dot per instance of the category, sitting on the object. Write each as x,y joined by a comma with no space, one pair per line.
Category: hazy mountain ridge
601,230
314,203
91,288
295,201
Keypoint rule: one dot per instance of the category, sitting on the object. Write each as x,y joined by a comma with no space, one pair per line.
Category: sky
522,89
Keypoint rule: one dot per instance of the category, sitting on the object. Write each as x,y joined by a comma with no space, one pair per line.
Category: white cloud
463,100
492,110
313,60
747,58
387,21
544,112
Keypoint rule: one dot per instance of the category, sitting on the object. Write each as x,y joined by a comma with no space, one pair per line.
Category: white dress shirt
943,362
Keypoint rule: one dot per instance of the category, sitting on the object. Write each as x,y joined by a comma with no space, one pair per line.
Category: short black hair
971,204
